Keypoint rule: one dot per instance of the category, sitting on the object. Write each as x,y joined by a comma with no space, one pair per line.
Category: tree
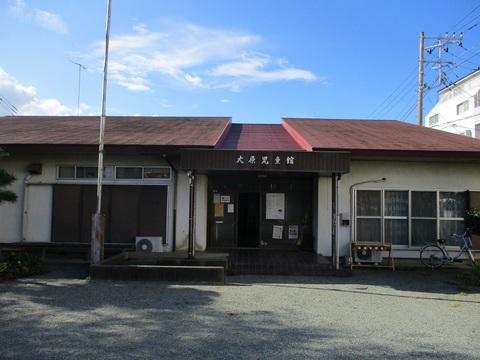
6,179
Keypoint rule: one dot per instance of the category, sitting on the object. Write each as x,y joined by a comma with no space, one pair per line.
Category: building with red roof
318,184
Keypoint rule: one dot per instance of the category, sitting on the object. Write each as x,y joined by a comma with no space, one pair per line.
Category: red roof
376,136
259,137
148,131
359,137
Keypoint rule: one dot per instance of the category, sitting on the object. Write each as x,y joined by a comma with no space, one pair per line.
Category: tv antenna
80,67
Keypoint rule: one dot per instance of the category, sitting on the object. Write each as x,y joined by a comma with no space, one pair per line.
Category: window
76,172
476,99
408,218
452,207
432,120
424,217
396,217
156,173
142,172
127,173
462,107
369,216
72,172
86,172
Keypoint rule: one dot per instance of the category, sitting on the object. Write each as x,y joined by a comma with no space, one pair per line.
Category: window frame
77,169
476,99
433,120
463,107
110,172
143,168
436,216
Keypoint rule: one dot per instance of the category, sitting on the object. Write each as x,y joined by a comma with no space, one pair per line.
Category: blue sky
253,60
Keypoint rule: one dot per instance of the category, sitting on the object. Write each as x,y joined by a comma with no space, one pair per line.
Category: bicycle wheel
470,256
432,256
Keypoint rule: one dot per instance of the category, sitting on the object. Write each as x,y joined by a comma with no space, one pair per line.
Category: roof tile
159,131
259,137
381,135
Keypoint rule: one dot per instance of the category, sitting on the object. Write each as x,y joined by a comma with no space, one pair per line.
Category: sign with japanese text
307,161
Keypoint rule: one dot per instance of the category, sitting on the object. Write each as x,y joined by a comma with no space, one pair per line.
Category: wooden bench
371,246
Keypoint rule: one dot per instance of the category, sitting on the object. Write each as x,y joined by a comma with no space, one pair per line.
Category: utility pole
98,219
441,44
420,81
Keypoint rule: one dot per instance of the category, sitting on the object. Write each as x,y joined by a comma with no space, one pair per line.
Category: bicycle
434,255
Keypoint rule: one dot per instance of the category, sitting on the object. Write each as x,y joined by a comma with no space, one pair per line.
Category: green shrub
472,220
18,265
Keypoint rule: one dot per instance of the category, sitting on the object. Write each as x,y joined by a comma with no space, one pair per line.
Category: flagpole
98,221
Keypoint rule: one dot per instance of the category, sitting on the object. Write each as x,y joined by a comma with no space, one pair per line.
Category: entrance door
248,219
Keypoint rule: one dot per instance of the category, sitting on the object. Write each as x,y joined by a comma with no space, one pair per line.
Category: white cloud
18,9
131,83
45,107
50,21
193,56
21,100
258,68
40,17
194,80
140,28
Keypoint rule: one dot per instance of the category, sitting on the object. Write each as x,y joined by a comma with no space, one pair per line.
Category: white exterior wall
322,222
30,218
399,176
446,108
11,213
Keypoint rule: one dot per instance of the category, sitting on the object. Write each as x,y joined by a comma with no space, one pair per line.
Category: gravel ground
403,314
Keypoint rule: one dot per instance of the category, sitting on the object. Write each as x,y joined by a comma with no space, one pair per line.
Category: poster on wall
277,232
219,210
293,232
225,198
275,207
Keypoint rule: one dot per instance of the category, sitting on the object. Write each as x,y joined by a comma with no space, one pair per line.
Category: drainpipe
191,235
174,200
337,214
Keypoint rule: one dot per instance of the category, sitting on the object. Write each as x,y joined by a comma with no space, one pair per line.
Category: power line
471,12
7,105
468,23
372,114
399,94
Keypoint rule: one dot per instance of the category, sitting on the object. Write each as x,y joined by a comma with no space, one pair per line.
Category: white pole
98,228
337,214
420,82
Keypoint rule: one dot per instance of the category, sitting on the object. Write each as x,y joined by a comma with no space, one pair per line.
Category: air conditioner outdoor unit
148,244
367,254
